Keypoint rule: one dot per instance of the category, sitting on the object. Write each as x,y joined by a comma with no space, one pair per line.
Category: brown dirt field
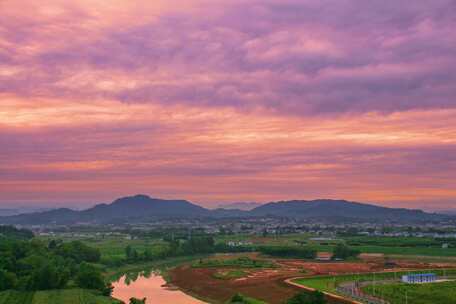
268,284
263,284
330,268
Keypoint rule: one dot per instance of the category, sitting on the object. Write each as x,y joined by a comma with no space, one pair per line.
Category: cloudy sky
228,100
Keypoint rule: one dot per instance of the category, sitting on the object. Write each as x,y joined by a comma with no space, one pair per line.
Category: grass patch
241,262
329,283
409,246
444,292
230,274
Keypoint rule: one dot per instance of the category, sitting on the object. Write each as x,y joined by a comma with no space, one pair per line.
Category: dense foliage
14,233
172,248
398,241
315,297
57,296
289,252
30,265
343,252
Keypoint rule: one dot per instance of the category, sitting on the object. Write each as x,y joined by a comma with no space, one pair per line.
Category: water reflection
151,285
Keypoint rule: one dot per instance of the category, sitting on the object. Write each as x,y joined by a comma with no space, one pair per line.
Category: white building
419,278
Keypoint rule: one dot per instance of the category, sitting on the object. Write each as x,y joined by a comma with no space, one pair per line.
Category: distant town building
240,243
419,278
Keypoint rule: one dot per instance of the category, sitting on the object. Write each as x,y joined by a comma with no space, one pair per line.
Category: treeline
344,252
29,265
397,241
10,232
315,297
172,248
206,245
340,251
288,252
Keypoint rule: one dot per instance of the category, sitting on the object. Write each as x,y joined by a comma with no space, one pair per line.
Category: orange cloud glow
195,100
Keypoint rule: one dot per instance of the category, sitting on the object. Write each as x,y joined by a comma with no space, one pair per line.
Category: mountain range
142,208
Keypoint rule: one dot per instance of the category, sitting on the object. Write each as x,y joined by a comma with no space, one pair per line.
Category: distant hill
326,208
8,212
449,212
143,208
139,207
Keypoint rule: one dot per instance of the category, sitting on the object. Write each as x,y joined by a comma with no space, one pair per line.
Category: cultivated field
323,276
444,292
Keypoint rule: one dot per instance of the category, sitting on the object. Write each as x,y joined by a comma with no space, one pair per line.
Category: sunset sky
228,100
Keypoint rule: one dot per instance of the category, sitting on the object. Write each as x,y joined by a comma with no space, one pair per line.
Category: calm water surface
150,286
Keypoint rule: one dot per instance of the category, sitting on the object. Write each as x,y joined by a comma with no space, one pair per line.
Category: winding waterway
151,286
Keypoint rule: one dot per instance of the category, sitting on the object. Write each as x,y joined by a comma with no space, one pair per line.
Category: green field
329,283
366,244
67,296
444,292
241,262
112,247
425,251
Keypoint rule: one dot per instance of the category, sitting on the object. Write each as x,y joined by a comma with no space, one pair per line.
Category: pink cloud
293,99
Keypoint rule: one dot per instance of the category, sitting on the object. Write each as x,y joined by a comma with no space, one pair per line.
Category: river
151,286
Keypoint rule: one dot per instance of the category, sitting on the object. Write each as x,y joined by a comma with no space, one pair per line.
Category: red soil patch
331,268
268,284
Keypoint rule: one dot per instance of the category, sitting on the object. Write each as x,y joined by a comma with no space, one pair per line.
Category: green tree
8,280
148,254
90,277
79,252
342,251
131,253
237,298
14,233
48,276
137,301
107,290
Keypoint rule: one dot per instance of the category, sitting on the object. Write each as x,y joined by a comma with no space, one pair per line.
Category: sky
228,100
